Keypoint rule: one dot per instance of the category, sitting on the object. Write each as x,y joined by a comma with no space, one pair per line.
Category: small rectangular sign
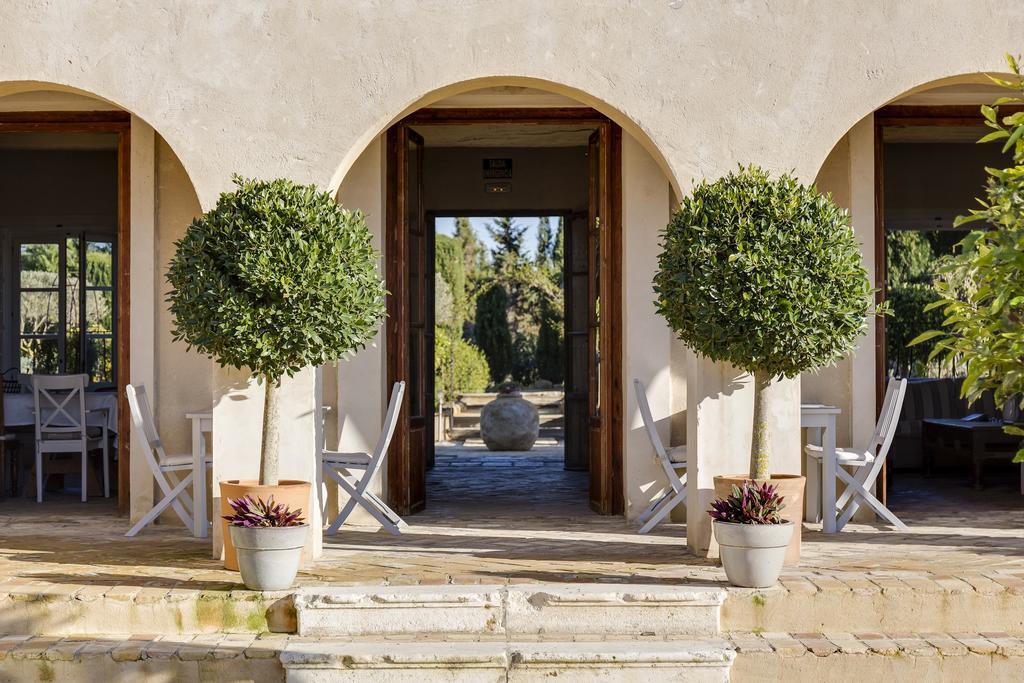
497,168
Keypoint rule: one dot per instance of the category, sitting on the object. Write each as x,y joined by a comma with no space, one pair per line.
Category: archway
112,195
906,171
467,104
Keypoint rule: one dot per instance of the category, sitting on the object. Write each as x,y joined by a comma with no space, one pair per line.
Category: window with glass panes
66,307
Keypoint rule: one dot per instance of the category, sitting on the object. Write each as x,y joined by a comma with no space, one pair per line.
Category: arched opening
93,199
906,172
530,162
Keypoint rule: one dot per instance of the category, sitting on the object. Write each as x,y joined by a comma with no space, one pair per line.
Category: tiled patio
522,518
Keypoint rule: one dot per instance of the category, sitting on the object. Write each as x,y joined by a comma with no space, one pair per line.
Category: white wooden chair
161,464
868,462
60,426
342,468
672,460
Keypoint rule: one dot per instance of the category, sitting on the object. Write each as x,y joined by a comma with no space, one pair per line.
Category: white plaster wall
359,380
645,336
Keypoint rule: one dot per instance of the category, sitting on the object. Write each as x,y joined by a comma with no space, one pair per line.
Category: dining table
100,406
202,424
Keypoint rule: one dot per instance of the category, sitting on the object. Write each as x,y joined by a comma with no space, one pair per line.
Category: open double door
593,270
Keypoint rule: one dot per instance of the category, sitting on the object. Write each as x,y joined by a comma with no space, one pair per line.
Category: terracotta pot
791,487
291,492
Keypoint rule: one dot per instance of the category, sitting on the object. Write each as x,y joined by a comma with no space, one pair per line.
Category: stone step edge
515,609
297,652
62,609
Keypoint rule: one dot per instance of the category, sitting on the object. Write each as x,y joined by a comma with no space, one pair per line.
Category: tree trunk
760,444
269,444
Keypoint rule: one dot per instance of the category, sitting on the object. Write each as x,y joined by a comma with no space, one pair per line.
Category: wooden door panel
576,293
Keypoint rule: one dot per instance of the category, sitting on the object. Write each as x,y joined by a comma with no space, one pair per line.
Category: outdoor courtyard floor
496,518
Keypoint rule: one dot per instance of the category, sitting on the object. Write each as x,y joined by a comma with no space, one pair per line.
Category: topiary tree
274,278
981,289
766,275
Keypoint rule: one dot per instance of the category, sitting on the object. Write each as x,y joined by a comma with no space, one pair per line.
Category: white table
202,424
822,418
101,407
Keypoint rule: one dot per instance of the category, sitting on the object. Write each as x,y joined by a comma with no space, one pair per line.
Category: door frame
610,497
895,116
119,123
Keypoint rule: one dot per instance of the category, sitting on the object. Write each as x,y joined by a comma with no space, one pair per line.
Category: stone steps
523,610
471,433
737,657
901,605
57,610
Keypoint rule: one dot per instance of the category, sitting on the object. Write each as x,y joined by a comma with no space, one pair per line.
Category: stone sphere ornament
509,423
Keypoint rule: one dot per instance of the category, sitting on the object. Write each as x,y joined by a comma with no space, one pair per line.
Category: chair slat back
388,430
145,426
59,402
652,431
888,418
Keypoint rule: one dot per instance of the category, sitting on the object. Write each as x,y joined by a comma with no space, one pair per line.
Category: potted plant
752,534
275,278
268,539
765,274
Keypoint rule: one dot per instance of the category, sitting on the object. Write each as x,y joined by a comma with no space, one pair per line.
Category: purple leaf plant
259,513
752,504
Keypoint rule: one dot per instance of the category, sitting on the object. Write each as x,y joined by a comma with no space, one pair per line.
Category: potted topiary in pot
752,534
268,539
765,274
275,278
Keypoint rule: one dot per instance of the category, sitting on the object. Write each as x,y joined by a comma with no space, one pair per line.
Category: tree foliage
981,289
275,277
492,331
766,275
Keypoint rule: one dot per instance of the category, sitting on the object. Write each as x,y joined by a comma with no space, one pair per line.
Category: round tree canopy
274,278
764,274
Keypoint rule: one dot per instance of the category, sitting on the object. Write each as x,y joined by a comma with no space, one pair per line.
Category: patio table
202,424
823,419
983,439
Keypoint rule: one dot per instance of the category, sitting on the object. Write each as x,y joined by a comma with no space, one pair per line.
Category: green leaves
763,273
274,278
981,290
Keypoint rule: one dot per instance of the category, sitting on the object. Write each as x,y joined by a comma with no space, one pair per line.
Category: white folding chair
869,461
342,468
672,460
161,464
60,424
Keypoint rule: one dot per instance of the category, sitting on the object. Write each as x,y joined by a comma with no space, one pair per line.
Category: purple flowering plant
258,513
752,503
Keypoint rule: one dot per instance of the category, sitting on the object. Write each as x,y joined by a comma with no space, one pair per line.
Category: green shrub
276,277
766,275
459,368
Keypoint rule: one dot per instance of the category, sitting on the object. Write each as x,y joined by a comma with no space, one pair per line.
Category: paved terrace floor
495,518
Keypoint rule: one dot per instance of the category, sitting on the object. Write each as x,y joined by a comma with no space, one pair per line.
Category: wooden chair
161,464
342,468
60,427
672,460
868,462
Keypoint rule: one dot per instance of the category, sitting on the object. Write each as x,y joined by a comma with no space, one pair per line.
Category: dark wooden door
410,325
577,342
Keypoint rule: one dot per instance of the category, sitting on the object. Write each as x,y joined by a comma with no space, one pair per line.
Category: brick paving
495,518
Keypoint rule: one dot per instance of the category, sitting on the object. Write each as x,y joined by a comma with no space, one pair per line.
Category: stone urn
509,423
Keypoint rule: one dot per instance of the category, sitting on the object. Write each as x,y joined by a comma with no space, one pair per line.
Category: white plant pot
752,554
269,557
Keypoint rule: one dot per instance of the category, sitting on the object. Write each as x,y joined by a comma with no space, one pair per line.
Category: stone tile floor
515,517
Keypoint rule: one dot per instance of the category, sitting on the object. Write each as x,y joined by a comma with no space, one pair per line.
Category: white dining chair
868,462
161,464
672,460
60,426
353,472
